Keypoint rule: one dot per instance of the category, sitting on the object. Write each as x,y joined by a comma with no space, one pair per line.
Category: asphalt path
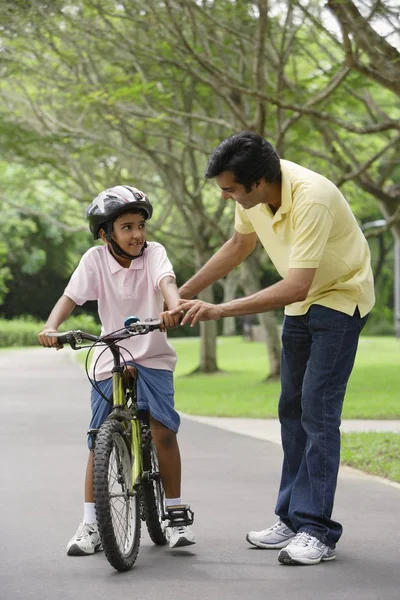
229,479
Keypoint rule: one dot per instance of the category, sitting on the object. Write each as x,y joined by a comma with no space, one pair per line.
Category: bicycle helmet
112,203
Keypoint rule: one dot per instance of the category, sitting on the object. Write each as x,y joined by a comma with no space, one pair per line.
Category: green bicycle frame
136,439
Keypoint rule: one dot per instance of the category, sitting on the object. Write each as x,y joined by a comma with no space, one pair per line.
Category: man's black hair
248,156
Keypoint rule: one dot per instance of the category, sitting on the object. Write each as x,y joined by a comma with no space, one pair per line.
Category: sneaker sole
183,542
285,559
269,546
75,550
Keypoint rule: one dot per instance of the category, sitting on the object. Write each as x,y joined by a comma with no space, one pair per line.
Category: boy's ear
102,235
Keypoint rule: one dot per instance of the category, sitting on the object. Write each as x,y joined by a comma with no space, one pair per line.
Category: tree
145,90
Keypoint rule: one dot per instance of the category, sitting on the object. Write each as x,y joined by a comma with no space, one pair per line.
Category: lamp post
382,223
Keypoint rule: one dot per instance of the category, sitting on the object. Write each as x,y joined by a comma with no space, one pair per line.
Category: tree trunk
208,331
208,343
230,284
251,285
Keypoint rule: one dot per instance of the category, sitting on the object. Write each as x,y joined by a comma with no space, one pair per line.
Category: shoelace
302,539
82,530
277,525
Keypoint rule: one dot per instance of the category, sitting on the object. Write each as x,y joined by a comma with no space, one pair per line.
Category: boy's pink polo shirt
120,293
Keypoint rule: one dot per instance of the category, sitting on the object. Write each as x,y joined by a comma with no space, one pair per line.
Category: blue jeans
318,352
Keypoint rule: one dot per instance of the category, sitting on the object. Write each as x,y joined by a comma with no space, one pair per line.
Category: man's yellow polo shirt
314,228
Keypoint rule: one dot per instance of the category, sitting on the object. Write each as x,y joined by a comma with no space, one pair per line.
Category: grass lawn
239,391
375,453
373,391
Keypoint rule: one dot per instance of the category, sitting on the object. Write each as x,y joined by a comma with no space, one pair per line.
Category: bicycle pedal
179,515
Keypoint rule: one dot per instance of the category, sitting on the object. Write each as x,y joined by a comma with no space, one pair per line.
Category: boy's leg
169,458
89,493
155,389
87,540
169,461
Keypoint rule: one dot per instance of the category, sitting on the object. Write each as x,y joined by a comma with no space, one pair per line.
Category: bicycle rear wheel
117,502
152,491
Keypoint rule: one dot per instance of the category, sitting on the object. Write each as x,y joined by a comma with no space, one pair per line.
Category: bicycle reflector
130,320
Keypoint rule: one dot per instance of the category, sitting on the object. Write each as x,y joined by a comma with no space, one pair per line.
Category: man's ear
102,235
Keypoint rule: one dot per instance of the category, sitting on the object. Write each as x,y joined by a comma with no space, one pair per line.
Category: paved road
230,480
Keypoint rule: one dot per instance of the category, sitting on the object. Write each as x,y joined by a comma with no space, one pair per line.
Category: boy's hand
170,321
49,342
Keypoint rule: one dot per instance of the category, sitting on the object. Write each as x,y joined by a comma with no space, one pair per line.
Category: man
312,237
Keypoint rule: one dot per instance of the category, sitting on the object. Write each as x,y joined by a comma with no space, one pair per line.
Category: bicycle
126,479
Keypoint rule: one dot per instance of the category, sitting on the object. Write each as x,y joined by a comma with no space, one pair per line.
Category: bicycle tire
152,492
117,510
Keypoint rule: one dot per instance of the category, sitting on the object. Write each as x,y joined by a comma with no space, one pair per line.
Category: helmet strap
117,249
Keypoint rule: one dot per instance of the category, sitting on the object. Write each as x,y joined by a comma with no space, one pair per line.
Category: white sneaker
179,536
85,541
277,536
305,549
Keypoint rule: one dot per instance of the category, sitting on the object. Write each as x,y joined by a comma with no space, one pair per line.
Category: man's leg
296,346
334,344
296,343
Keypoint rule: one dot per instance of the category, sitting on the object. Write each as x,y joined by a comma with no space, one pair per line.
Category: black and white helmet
115,201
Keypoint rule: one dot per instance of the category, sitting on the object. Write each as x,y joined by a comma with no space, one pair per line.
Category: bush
23,331
380,322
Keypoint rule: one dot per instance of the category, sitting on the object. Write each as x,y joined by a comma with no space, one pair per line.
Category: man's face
231,190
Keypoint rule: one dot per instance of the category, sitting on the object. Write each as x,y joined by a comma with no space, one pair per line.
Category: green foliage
141,93
239,390
24,331
375,453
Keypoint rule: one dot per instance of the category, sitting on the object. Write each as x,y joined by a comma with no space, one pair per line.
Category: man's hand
49,342
197,310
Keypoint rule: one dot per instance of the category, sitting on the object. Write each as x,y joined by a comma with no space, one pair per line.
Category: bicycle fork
136,452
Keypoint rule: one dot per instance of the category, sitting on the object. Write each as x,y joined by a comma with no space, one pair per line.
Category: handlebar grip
63,338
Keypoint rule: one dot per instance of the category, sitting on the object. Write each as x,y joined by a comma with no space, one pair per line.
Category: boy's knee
162,436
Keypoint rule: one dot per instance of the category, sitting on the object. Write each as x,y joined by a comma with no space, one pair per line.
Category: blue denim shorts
155,391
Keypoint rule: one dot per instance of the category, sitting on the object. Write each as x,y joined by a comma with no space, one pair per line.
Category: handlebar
133,326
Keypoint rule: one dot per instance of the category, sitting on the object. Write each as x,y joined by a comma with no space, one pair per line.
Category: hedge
23,331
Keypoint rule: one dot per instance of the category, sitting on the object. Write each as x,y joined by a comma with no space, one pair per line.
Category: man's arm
294,288
232,253
58,315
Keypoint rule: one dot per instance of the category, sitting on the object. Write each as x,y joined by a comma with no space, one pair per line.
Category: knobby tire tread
102,453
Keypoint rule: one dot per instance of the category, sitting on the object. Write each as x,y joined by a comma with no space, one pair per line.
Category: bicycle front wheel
152,491
117,502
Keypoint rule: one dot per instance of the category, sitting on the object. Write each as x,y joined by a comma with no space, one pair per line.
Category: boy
127,276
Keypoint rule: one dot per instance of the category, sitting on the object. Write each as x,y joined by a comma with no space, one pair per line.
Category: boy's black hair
248,156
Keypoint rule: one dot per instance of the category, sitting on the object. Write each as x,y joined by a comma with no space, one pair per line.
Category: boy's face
129,231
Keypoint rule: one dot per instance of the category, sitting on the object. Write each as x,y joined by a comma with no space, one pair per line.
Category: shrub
23,331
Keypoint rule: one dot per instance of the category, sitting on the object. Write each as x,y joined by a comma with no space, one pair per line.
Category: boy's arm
171,297
58,315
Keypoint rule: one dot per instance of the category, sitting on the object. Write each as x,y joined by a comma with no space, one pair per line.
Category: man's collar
286,195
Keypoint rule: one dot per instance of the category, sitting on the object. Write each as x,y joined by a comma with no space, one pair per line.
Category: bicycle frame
119,407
